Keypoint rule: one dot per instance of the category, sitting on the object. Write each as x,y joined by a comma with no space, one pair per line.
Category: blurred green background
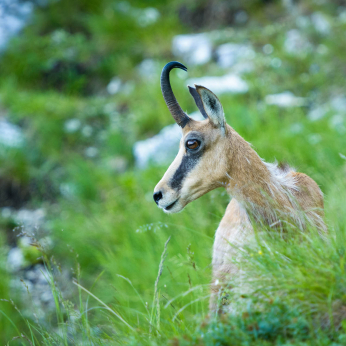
79,92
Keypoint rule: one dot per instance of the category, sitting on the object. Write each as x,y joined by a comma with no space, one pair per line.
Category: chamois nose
157,196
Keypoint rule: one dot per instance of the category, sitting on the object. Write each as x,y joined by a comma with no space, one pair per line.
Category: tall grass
292,291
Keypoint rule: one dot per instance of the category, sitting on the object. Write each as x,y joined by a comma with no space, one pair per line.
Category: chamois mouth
171,205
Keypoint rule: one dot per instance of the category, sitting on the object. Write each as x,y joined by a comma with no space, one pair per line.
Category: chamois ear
212,107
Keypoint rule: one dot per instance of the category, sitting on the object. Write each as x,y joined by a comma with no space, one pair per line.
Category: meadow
120,271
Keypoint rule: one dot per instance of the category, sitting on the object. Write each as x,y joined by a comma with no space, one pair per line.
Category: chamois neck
247,174
250,181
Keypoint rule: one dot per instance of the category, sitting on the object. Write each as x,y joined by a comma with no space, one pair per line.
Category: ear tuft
212,106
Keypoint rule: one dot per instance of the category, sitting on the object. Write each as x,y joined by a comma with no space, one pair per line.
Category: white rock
289,4
116,164
314,138
161,148
30,219
59,36
37,279
114,86
46,242
229,83
320,23
68,190
322,49
6,212
110,109
15,259
275,62
25,242
337,122
268,49
243,67
148,68
47,296
195,49
72,125
296,128
147,16
303,22
91,152
128,88
241,17
230,53
38,274
336,103
285,99
342,16
87,131
10,135
296,43
14,14
318,113
339,103
143,16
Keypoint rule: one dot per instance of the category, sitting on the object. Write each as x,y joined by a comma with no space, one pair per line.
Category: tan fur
261,193
231,234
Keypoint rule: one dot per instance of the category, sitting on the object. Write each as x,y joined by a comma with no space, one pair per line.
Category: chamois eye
192,144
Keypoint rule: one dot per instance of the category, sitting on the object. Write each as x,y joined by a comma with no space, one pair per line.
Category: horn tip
175,64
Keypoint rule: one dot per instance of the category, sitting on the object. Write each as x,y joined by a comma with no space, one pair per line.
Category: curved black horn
178,114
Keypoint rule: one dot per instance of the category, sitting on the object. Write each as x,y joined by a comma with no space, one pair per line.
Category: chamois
212,154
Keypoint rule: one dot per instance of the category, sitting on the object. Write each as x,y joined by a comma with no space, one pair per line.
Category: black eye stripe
188,162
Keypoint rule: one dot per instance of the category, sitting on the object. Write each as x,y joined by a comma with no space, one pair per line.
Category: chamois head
201,163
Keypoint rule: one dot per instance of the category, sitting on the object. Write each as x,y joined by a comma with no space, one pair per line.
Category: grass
295,294
132,286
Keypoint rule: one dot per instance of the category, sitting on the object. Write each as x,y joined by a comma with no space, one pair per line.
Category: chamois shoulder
308,193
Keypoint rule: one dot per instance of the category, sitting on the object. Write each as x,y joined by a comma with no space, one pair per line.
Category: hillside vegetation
117,270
